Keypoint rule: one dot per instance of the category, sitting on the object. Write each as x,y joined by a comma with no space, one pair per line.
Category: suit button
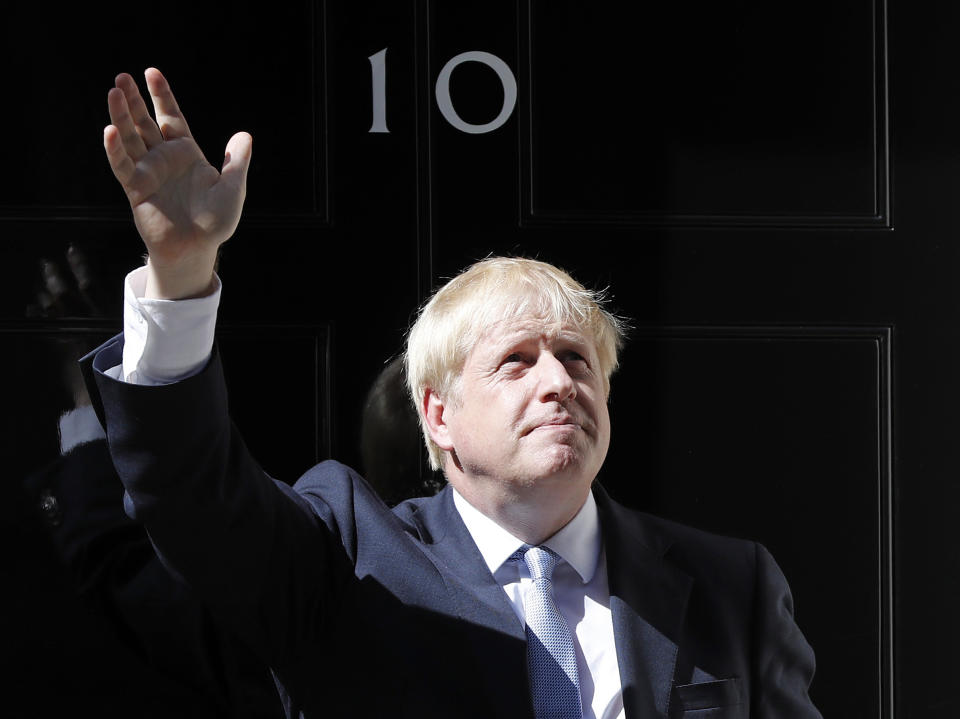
50,508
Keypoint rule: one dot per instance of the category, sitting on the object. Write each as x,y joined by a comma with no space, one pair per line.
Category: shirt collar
578,542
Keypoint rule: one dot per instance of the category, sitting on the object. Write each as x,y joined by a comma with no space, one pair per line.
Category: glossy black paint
768,190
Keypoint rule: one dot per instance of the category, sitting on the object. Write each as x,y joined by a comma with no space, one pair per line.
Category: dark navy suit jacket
150,647
366,611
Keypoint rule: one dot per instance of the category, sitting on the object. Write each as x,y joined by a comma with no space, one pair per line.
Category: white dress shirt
580,591
166,341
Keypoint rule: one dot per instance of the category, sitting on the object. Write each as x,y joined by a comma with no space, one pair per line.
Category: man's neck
579,543
532,516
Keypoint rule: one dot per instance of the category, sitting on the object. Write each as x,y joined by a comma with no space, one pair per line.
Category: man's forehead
531,327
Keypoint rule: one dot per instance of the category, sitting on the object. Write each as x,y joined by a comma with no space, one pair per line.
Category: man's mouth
556,423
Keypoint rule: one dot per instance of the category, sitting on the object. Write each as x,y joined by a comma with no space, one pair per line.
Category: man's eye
515,357
571,356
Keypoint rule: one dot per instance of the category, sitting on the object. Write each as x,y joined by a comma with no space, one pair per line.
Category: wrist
183,280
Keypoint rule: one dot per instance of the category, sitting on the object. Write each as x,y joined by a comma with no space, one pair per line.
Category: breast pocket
720,699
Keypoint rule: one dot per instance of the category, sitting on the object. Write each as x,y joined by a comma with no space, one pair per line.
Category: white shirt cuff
165,341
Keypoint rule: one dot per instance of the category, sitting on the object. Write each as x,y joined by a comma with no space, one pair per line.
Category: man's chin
563,463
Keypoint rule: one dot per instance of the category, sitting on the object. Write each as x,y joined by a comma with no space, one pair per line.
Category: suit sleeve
256,552
784,661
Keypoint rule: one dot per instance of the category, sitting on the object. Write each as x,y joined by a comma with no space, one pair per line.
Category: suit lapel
494,633
648,601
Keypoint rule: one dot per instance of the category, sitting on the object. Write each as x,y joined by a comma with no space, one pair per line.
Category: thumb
236,162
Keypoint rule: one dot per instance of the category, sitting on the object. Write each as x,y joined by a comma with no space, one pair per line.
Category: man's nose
556,384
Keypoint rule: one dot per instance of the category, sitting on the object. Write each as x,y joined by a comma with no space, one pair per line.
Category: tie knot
540,561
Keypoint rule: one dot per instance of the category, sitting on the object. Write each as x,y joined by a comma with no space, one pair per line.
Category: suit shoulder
696,550
339,495
333,486
333,481
690,536
326,475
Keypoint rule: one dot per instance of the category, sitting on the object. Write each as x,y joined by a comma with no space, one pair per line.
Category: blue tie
551,659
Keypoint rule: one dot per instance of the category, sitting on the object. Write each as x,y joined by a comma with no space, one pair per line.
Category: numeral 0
378,72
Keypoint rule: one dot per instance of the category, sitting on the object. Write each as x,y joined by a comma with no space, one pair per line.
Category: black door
766,188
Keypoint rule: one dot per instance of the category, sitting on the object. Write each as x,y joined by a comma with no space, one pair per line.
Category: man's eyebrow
535,334
513,340
520,334
574,335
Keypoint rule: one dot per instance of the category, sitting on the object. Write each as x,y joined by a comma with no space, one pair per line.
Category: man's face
531,407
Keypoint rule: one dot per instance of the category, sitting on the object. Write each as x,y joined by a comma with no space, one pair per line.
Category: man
520,590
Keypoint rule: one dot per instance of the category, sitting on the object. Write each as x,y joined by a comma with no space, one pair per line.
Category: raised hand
184,208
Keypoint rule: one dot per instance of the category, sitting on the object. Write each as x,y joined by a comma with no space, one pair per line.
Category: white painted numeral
509,82
378,73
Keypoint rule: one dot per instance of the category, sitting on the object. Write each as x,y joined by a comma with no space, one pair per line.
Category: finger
169,118
236,162
145,125
228,193
120,162
121,119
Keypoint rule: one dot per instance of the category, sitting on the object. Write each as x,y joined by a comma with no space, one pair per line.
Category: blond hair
490,291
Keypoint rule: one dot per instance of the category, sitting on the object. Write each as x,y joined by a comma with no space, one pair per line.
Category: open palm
184,208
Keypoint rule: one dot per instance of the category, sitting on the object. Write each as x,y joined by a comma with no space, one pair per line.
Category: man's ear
433,407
